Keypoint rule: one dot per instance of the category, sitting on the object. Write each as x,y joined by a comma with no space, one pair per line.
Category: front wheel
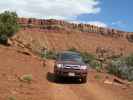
84,79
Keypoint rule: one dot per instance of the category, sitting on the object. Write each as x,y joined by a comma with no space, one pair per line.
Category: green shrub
8,23
49,55
87,57
114,67
129,60
11,98
96,65
26,78
8,26
122,68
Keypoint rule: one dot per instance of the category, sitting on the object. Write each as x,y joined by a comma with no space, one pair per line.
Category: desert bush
26,78
114,67
122,68
87,57
96,65
8,25
129,60
12,98
49,55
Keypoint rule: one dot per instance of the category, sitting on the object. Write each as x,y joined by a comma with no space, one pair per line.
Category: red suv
70,64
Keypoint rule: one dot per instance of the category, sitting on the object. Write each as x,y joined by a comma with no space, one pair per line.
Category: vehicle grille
76,67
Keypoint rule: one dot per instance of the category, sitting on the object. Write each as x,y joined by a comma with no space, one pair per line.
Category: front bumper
79,73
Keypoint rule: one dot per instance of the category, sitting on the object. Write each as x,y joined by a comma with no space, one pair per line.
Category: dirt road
13,65
74,90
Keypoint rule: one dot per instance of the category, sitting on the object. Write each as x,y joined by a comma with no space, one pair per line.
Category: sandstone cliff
53,24
58,35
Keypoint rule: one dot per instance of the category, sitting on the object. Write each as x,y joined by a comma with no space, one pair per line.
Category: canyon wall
53,24
58,35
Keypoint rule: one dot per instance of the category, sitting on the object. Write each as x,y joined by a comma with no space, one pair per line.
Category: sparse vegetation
8,25
12,98
87,57
96,65
73,49
129,60
49,55
26,78
122,67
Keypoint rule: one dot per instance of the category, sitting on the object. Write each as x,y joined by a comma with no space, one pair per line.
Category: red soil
14,65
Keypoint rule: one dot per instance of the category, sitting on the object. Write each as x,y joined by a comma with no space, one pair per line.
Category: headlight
59,65
83,67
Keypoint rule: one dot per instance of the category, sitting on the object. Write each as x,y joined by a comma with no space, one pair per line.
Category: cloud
119,23
59,9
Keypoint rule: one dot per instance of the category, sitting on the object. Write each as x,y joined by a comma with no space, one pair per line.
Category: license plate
71,74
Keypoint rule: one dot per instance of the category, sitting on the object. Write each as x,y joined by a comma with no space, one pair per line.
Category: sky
106,13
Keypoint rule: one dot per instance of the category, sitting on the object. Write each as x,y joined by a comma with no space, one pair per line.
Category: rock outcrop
129,37
52,24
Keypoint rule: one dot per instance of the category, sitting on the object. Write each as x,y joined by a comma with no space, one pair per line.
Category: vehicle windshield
71,57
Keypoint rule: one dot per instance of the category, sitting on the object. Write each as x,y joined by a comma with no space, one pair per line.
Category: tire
84,79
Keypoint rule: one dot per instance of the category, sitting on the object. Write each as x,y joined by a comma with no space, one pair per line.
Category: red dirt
14,64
